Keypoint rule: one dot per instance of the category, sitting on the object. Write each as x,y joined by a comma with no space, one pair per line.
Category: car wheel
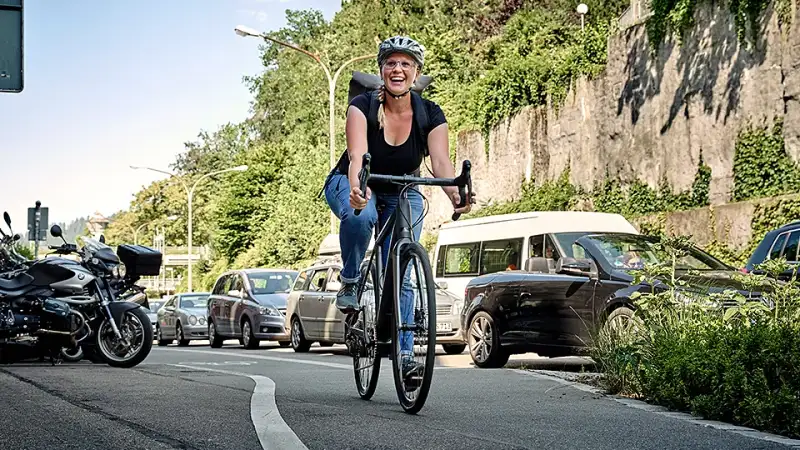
248,340
299,342
620,324
454,349
483,338
182,341
161,341
215,339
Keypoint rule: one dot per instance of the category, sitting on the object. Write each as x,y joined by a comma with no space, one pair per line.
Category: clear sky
114,83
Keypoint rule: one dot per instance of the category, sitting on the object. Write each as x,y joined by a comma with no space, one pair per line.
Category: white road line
266,358
291,360
662,411
272,431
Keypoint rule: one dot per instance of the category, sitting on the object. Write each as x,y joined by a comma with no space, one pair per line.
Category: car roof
265,269
516,225
795,224
324,262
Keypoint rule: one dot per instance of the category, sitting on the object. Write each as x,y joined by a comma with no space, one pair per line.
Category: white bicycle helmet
401,44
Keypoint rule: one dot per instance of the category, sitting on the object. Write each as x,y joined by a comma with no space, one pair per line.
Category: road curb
662,411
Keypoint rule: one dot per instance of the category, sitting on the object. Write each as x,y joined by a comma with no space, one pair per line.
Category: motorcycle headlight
192,320
121,270
115,271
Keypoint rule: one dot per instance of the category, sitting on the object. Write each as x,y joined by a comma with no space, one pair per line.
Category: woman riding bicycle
397,148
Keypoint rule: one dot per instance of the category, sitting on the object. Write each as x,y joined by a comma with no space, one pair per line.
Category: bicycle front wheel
362,339
414,329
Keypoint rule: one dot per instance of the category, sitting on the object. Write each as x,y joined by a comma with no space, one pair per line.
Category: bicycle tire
367,391
414,249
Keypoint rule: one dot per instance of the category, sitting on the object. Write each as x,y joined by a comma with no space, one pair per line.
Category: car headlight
201,320
267,311
457,307
192,320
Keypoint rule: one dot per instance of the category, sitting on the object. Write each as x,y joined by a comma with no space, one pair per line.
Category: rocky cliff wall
648,116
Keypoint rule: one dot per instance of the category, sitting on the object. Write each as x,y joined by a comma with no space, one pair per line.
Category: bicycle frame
400,222
402,235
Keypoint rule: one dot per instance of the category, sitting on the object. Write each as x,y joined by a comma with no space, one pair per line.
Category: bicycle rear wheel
362,337
416,329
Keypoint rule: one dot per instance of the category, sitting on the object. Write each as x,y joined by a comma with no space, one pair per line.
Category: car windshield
632,252
271,282
194,301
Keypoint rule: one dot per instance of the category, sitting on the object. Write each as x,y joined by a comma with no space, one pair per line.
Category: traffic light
11,32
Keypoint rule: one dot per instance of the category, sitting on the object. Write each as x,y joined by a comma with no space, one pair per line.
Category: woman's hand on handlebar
357,200
455,198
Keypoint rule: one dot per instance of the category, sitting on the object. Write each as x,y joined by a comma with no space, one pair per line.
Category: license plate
444,326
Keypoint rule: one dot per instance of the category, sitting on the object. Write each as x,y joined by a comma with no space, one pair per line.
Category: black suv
779,242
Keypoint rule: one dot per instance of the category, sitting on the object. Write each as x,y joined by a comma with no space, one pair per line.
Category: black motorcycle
89,303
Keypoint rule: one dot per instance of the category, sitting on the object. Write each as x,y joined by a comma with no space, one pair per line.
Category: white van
469,248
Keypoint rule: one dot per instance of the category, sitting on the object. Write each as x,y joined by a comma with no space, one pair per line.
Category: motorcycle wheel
135,327
74,354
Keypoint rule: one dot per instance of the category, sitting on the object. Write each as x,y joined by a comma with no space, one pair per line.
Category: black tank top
403,159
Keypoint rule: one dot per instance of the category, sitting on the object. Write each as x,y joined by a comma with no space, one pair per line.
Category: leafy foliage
761,166
632,200
23,250
677,16
726,356
537,57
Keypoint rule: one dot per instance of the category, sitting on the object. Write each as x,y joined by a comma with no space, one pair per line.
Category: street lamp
190,195
245,31
582,10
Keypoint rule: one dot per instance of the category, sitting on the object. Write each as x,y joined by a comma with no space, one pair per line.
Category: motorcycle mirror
7,218
17,237
102,239
55,231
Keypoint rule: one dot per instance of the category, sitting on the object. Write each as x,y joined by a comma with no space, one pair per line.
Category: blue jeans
355,233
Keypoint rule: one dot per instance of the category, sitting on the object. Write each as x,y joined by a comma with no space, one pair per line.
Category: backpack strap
422,120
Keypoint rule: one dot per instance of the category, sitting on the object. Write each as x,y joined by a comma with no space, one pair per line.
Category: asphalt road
230,398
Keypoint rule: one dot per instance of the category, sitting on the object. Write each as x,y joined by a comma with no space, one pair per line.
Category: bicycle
370,341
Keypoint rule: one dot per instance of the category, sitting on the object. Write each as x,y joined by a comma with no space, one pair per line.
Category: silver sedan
183,317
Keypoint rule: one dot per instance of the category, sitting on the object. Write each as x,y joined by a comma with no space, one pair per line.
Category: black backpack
364,82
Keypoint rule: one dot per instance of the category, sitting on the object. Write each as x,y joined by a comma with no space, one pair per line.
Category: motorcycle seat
14,285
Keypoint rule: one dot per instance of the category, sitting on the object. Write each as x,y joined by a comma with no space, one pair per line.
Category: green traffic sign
11,59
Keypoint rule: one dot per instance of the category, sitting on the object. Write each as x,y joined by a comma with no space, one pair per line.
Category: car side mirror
235,293
442,285
334,286
572,266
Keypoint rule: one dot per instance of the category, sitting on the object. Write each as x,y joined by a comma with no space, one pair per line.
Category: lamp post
244,31
582,10
190,195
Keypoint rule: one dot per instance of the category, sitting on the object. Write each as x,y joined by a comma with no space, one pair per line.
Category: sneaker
346,300
412,372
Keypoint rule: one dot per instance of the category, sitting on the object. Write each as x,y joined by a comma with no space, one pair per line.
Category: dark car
781,242
250,304
552,307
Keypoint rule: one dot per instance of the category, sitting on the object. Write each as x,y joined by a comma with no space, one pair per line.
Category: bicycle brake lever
363,175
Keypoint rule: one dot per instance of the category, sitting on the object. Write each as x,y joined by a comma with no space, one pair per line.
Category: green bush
720,356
